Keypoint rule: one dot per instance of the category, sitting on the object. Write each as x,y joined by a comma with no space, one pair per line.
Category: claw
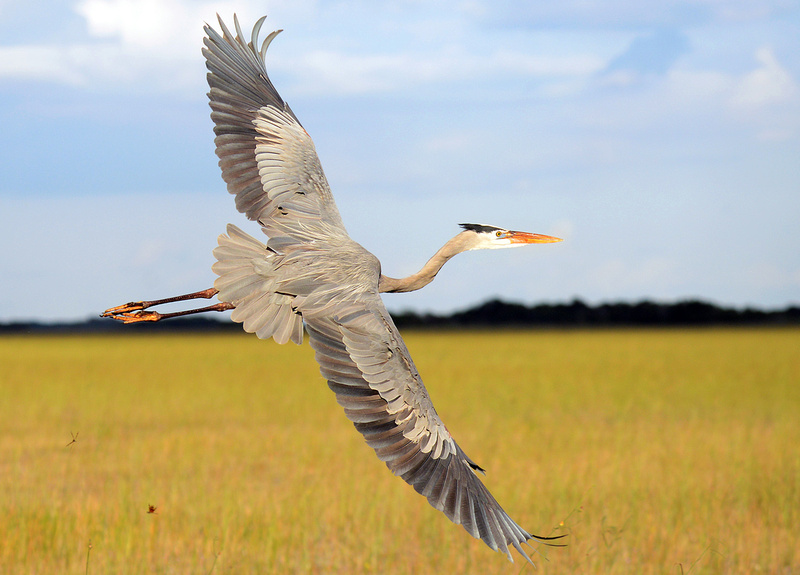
127,308
137,316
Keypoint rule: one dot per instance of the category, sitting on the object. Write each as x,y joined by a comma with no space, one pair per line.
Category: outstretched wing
368,366
267,158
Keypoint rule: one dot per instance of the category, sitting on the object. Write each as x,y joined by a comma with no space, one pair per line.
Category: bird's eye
499,234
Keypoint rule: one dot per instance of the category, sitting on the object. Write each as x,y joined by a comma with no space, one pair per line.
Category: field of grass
656,451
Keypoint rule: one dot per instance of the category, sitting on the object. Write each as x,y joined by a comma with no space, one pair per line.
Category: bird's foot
132,312
135,311
127,308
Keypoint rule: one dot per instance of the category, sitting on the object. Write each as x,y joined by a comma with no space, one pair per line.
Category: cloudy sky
660,139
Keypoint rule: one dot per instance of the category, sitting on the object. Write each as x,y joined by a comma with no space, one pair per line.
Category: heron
311,277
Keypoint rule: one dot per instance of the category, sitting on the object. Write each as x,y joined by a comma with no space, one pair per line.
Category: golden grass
657,451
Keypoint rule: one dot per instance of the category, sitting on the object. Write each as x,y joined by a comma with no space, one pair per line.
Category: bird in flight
311,273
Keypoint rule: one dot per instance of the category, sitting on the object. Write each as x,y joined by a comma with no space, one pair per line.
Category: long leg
134,311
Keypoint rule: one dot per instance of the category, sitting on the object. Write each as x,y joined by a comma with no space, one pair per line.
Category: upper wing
268,160
367,365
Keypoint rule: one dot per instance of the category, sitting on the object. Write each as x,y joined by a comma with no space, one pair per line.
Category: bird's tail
248,279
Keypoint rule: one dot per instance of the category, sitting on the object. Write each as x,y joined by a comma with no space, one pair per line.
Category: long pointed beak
526,238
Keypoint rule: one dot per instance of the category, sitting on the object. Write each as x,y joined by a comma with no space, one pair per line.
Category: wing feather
265,155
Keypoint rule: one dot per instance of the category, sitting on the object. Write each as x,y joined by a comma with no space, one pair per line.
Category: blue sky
661,140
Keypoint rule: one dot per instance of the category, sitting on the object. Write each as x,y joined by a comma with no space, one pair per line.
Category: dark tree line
493,313
579,314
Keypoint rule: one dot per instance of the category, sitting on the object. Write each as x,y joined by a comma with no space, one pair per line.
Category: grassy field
656,451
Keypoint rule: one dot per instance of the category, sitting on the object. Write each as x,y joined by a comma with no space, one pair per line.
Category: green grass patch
656,451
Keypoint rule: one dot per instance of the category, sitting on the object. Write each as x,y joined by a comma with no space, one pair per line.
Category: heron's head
483,237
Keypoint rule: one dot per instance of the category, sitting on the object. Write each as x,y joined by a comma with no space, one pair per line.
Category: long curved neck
425,276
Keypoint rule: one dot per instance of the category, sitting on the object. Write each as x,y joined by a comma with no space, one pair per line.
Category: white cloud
764,99
627,13
155,44
41,63
352,73
172,28
147,43
747,10
768,84
695,86
106,66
